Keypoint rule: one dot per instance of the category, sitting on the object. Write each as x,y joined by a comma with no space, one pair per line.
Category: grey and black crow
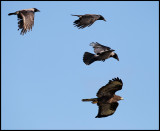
107,101
25,19
102,53
87,20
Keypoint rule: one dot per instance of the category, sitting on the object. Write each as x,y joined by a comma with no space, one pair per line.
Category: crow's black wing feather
85,20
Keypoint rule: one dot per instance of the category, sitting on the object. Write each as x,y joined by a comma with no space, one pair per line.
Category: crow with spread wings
87,20
25,19
102,53
107,100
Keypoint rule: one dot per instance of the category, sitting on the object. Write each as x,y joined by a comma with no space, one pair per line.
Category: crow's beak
104,20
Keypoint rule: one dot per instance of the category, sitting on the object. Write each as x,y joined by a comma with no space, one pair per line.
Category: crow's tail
76,15
12,13
88,58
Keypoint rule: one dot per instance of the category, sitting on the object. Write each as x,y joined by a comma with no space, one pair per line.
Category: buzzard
25,19
107,100
102,53
87,20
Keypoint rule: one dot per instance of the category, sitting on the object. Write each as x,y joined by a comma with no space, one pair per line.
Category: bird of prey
107,100
25,19
87,20
102,53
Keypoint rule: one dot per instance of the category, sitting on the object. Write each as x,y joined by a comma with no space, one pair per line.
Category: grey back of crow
25,19
102,53
87,20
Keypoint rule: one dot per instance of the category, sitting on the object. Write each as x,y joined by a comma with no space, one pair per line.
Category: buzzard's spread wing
106,109
98,48
85,20
26,21
110,88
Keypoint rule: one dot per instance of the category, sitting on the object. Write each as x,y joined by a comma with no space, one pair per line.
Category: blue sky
44,77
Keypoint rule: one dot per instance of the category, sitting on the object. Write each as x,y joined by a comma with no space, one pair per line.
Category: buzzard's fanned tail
88,58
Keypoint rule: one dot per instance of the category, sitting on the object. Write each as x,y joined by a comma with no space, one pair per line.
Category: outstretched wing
110,88
85,20
106,109
98,48
26,21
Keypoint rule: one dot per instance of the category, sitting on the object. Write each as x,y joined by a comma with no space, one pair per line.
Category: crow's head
115,56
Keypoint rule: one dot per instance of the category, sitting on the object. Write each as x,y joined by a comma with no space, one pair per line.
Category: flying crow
102,53
87,20
107,100
25,19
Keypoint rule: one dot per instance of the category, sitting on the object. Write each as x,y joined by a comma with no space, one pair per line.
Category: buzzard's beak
122,98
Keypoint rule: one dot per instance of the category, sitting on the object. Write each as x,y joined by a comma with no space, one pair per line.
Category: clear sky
44,77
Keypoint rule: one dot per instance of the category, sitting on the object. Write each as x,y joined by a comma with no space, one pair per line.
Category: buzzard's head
36,10
101,18
115,56
117,98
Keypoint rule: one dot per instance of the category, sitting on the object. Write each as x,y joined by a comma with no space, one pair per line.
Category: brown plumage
87,20
25,19
107,100
102,53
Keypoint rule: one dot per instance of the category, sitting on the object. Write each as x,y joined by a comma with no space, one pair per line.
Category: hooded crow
25,19
102,53
87,20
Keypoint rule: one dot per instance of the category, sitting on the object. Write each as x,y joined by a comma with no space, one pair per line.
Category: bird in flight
87,20
107,101
25,19
102,53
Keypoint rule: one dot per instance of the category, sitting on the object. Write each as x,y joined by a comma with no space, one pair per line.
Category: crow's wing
85,20
106,109
98,48
26,22
110,88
